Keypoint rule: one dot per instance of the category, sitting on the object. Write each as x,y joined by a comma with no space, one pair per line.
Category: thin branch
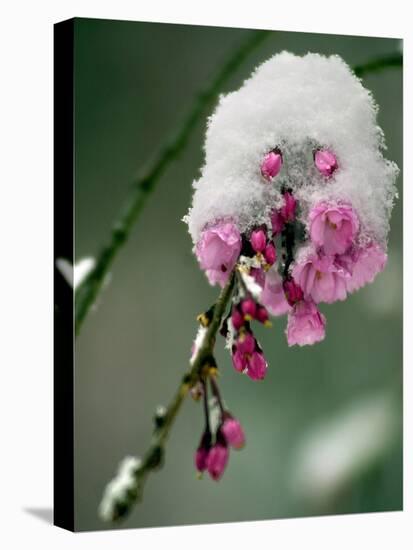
200,367
146,183
378,64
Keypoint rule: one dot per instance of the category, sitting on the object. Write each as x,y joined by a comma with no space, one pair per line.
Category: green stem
378,64
88,291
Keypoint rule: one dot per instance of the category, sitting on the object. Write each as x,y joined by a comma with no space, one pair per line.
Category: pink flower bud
290,205
271,165
325,161
239,361
201,454
277,222
270,254
292,291
257,366
246,343
262,315
258,240
233,432
217,460
248,307
237,318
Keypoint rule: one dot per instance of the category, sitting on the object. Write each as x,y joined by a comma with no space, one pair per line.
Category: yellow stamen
203,320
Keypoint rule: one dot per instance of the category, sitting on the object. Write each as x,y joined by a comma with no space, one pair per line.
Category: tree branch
378,64
200,368
88,291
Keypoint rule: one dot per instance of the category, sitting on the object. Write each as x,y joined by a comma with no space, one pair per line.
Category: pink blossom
367,262
273,296
271,165
277,222
321,278
288,210
246,343
248,358
217,460
333,227
257,366
201,454
262,315
306,325
248,308
270,254
218,250
258,240
233,432
239,360
325,161
285,214
237,318
292,291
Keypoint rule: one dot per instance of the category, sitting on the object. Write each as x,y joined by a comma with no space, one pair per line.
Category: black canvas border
63,385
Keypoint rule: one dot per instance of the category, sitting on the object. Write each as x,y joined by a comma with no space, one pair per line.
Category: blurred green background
324,428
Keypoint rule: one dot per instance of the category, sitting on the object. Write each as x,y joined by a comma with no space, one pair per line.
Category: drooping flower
262,316
333,227
270,254
292,291
217,458
202,452
288,210
246,343
321,278
237,318
366,262
285,214
273,296
218,250
306,325
247,357
257,366
325,161
249,308
233,432
277,222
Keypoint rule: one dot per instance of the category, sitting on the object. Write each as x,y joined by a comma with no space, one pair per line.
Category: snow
297,104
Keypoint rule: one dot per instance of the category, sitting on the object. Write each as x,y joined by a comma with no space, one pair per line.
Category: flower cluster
290,210
324,264
213,451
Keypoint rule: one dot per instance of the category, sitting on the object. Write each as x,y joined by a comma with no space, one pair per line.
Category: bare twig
378,64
